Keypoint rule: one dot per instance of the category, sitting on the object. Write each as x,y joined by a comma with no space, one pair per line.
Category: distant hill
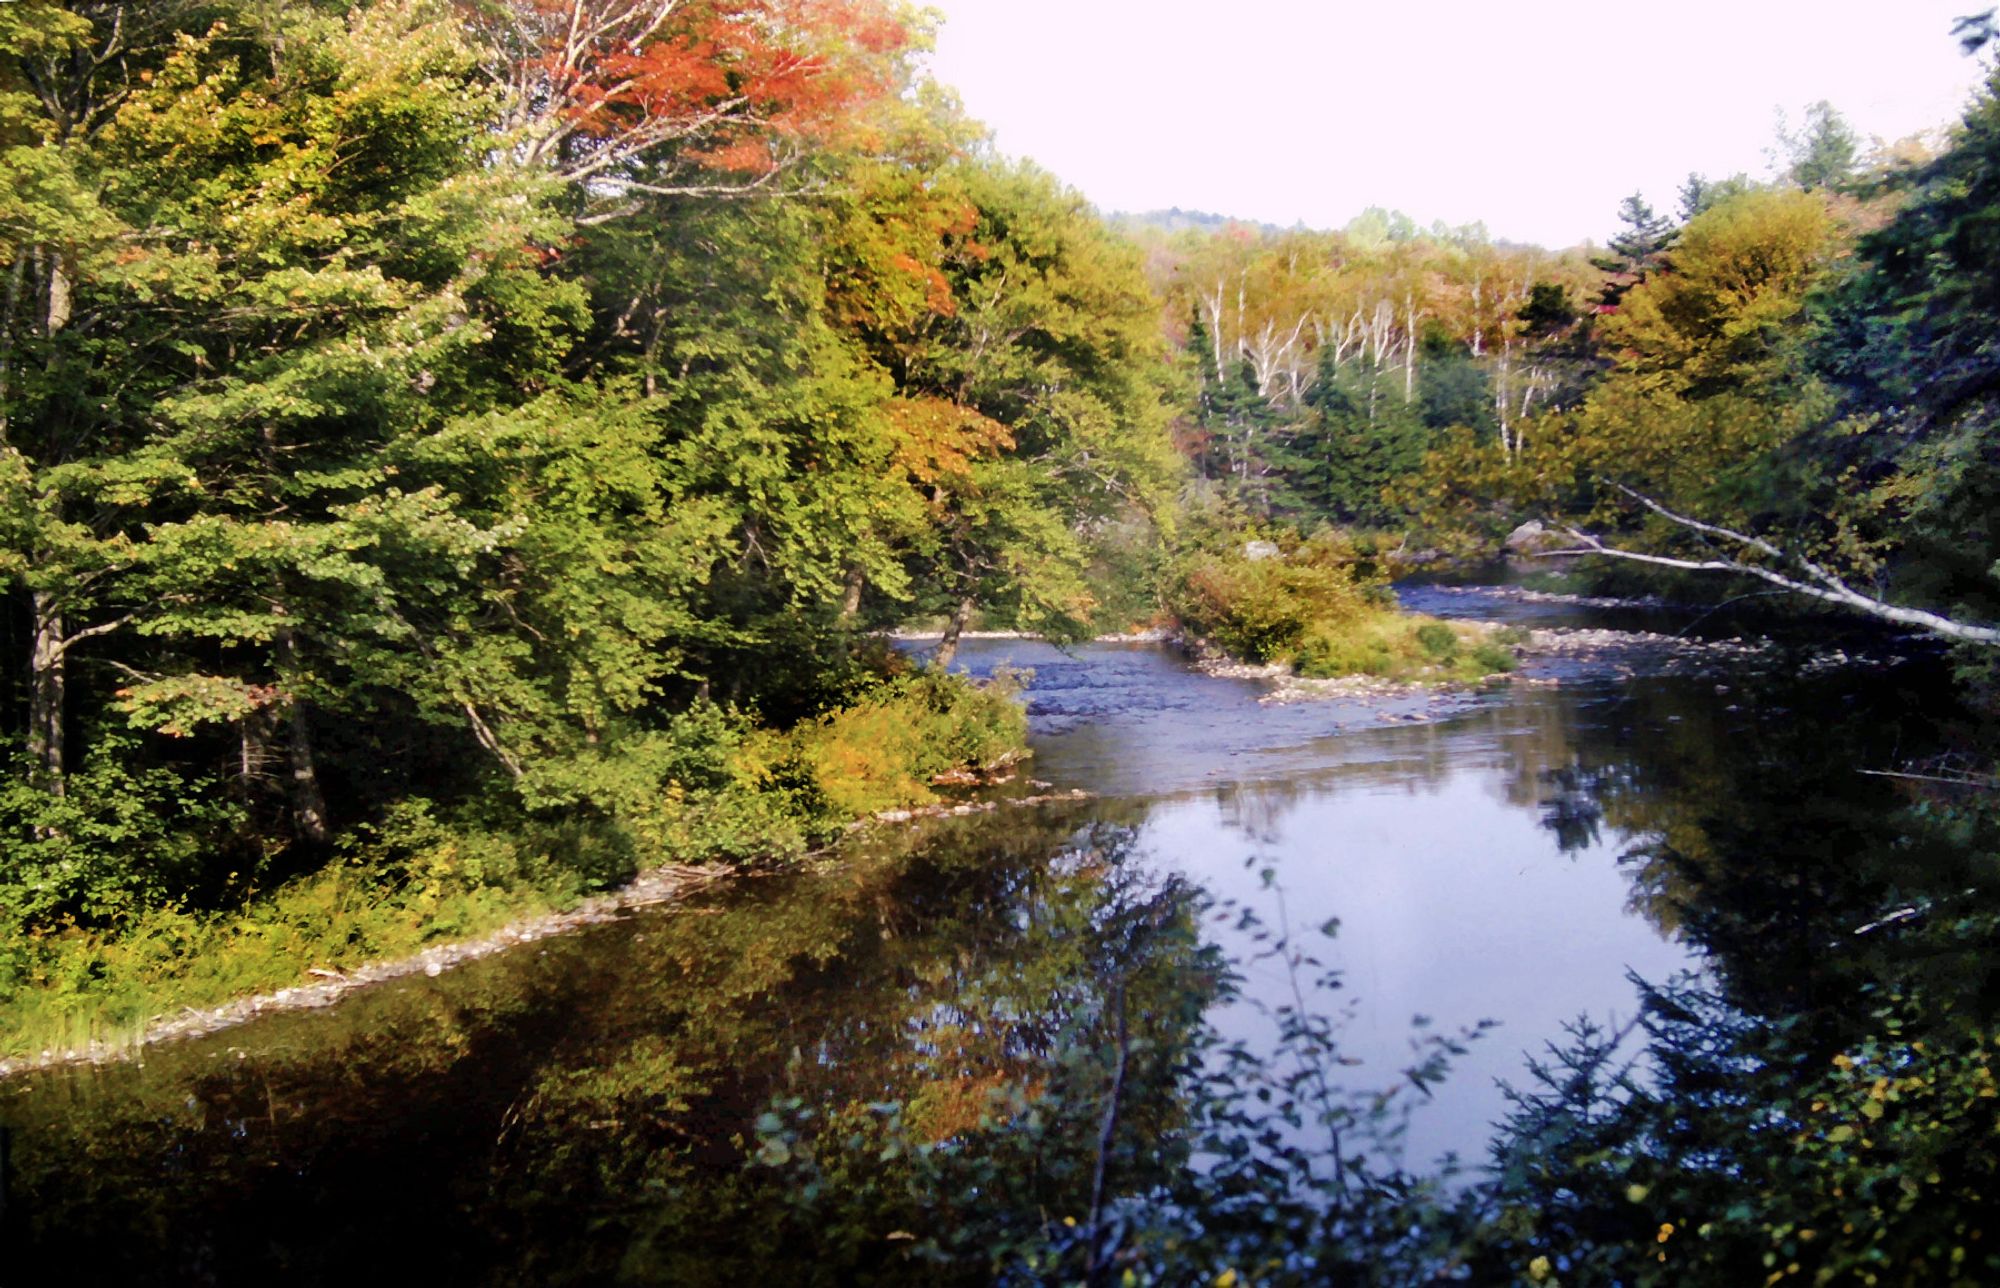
1177,220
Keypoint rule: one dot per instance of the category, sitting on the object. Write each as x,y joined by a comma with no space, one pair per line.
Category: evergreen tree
1358,437
1636,251
1699,194
1825,153
1453,389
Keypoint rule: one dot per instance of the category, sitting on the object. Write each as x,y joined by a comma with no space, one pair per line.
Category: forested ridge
458,454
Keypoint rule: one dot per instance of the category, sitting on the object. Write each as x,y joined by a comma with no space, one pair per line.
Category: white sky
1534,116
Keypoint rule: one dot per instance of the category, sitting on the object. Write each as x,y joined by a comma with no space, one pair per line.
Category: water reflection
672,1098
582,1114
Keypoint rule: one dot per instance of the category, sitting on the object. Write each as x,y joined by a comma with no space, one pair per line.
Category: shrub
122,837
1261,609
1491,658
884,751
1438,640
1399,646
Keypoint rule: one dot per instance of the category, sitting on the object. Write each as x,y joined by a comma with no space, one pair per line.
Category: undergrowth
96,939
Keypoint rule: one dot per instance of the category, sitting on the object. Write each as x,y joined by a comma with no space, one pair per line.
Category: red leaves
722,84
937,287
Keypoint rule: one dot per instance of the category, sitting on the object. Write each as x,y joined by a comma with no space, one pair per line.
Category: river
579,1110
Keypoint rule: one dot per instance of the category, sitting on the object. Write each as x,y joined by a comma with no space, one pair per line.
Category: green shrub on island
1323,606
1259,609
1398,646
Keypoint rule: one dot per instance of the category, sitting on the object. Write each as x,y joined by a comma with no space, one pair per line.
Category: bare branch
1818,582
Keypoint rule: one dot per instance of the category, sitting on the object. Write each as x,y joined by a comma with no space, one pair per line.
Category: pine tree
1635,252
1357,438
1825,153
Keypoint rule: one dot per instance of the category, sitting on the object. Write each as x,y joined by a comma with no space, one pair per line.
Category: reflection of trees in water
1746,823
586,1113
1528,743
1820,1107
1700,789
806,1079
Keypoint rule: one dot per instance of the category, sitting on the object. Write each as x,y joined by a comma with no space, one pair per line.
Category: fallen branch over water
1811,580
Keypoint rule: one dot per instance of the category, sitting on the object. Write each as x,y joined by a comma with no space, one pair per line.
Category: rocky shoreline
1602,653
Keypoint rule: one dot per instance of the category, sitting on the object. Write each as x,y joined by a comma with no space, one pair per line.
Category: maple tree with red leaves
686,97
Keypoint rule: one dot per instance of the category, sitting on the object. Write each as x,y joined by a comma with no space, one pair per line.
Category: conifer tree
1636,251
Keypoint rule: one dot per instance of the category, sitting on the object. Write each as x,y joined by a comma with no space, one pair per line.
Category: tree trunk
1410,347
307,800
850,603
947,648
47,681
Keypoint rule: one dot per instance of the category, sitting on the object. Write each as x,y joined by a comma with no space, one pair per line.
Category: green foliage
123,838
102,931
1400,647
400,885
351,464
1260,609
1825,152
1636,251
1438,640
1361,435
887,750
1321,606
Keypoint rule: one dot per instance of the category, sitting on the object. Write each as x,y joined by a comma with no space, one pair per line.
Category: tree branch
1817,581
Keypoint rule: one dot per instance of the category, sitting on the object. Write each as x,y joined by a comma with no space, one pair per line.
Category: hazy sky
1535,116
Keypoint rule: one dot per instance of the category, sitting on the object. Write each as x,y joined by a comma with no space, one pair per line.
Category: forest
456,455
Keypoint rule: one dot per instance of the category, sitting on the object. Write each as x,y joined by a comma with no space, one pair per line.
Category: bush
1261,609
884,751
100,930
1492,659
1438,640
122,837
1400,646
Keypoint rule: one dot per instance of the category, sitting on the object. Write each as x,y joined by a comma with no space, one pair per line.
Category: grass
1400,646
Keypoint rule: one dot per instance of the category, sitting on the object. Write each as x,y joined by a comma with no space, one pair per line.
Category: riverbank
670,883
423,880
314,977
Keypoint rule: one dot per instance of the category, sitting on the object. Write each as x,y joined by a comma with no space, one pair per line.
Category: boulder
1534,537
1255,550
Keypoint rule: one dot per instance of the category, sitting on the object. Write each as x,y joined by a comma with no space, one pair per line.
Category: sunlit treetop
687,96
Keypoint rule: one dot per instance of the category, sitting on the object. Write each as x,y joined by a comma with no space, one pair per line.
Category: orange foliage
720,83
935,438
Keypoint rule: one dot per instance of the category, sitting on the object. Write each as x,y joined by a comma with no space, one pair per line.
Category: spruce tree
1635,252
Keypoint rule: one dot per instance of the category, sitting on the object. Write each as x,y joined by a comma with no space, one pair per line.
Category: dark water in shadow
580,1110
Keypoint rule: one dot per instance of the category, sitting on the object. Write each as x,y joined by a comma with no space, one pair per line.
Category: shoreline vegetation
429,889
663,884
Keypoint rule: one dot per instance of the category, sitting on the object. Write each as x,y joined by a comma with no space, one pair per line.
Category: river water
580,1110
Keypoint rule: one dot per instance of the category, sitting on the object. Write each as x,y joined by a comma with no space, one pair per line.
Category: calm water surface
579,1111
